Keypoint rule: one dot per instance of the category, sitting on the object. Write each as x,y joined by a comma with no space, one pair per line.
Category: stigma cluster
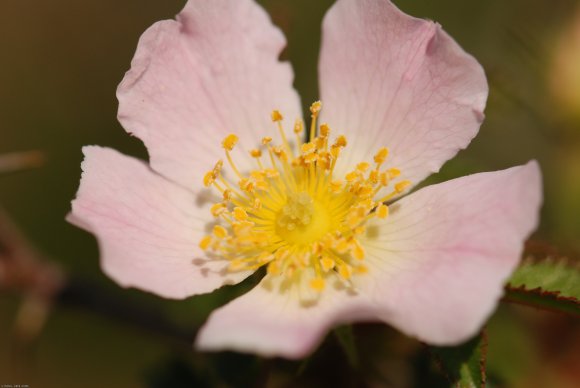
291,213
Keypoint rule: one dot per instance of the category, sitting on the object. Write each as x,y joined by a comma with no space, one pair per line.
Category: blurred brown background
60,62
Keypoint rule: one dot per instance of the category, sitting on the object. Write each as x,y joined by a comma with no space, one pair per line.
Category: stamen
298,129
219,231
401,186
229,142
277,118
218,209
317,284
382,211
314,110
381,156
295,216
240,214
205,242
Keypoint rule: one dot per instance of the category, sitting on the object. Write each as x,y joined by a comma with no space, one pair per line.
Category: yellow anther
298,126
217,168
290,271
310,158
260,238
246,185
271,173
281,254
315,108
401,186
293,212
264,257
367,204
384,179
359,230
209,178
240,214
205,242
257,175
393,173
341,246
308,148
352,220
335,186
219,231
352,176
317,249
255,153
381,155
365,190
382,211
273,268
229,142
218,209
363,166
324,160
242,228
357,250
262,185
237,265
317,284
345,271
327,264
277,116
280,153
340,141
361,211
335,151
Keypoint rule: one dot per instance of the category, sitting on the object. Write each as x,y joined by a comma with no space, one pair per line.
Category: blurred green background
61,61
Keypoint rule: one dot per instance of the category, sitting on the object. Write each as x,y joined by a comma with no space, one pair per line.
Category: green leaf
464,365
552,284
346,340
554,275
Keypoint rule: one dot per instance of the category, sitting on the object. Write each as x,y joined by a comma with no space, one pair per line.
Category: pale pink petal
271,323
212,72
438,263
148,228
388,79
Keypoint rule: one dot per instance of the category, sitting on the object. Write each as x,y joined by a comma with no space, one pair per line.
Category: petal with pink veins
389,79
212,71
271,322
438,263
148,228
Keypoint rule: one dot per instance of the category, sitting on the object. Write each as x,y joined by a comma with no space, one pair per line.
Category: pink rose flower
324,215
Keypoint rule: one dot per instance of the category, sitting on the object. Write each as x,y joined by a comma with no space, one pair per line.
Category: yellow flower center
291,213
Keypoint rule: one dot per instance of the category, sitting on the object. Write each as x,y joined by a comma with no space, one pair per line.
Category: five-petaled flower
228,190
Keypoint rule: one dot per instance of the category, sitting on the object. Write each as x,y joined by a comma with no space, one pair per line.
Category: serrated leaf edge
539,291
